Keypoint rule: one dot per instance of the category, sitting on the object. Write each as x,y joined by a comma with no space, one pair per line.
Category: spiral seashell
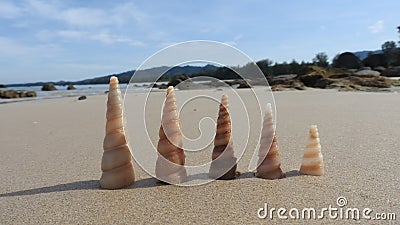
269,160
171,157
223,166
116,162
312,163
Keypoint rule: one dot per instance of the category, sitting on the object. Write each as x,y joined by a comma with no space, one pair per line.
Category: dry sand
51,152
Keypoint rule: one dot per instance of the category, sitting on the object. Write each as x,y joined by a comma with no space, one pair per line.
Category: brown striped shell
171,157
269,160
116,162
223,165
312,162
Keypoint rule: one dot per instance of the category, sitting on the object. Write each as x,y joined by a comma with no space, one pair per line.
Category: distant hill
151,74
146,75
364,54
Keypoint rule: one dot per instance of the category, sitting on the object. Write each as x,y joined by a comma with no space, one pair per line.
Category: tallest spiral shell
171,157
116,162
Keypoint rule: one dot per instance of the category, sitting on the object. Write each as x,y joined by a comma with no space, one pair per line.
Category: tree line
390,52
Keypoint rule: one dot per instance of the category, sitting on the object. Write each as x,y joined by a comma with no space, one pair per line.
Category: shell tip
113,79
269,107
170,89
224,100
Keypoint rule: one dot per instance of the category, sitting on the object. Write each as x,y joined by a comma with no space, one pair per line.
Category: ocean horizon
87,90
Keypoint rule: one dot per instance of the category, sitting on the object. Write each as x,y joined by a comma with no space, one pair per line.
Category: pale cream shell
116,163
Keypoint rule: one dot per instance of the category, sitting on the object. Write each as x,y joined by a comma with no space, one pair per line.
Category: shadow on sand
94,184
293,173
79,185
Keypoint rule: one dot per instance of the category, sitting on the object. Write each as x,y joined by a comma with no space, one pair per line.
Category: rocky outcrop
357,83
17,94
48,87
30,94
71,87
375,60
281,79
392,72
239,83
162,86
174,82
3,86
379,69
363,79
311,75
83,97
347,60
310,79
244,84
370,73
323,83
289,84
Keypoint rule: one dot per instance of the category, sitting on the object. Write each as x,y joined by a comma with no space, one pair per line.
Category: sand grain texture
51,150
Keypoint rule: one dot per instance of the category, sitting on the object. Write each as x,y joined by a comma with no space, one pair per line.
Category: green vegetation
321,59
391,53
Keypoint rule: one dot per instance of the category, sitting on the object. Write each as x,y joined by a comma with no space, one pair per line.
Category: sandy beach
51,152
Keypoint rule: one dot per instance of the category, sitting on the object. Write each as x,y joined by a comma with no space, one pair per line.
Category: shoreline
76,95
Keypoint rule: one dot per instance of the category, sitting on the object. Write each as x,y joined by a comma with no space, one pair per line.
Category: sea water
87,90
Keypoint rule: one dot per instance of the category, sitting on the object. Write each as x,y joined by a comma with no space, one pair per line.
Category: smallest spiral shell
312,162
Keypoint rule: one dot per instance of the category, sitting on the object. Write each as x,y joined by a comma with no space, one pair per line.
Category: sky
46,40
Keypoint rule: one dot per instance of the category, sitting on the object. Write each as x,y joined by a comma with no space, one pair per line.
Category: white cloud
125,12
81,17
46,35
101,36
78,23
71,34
9,10
376,27
107,38
86,66
42,9
13,50
9,47
86,17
